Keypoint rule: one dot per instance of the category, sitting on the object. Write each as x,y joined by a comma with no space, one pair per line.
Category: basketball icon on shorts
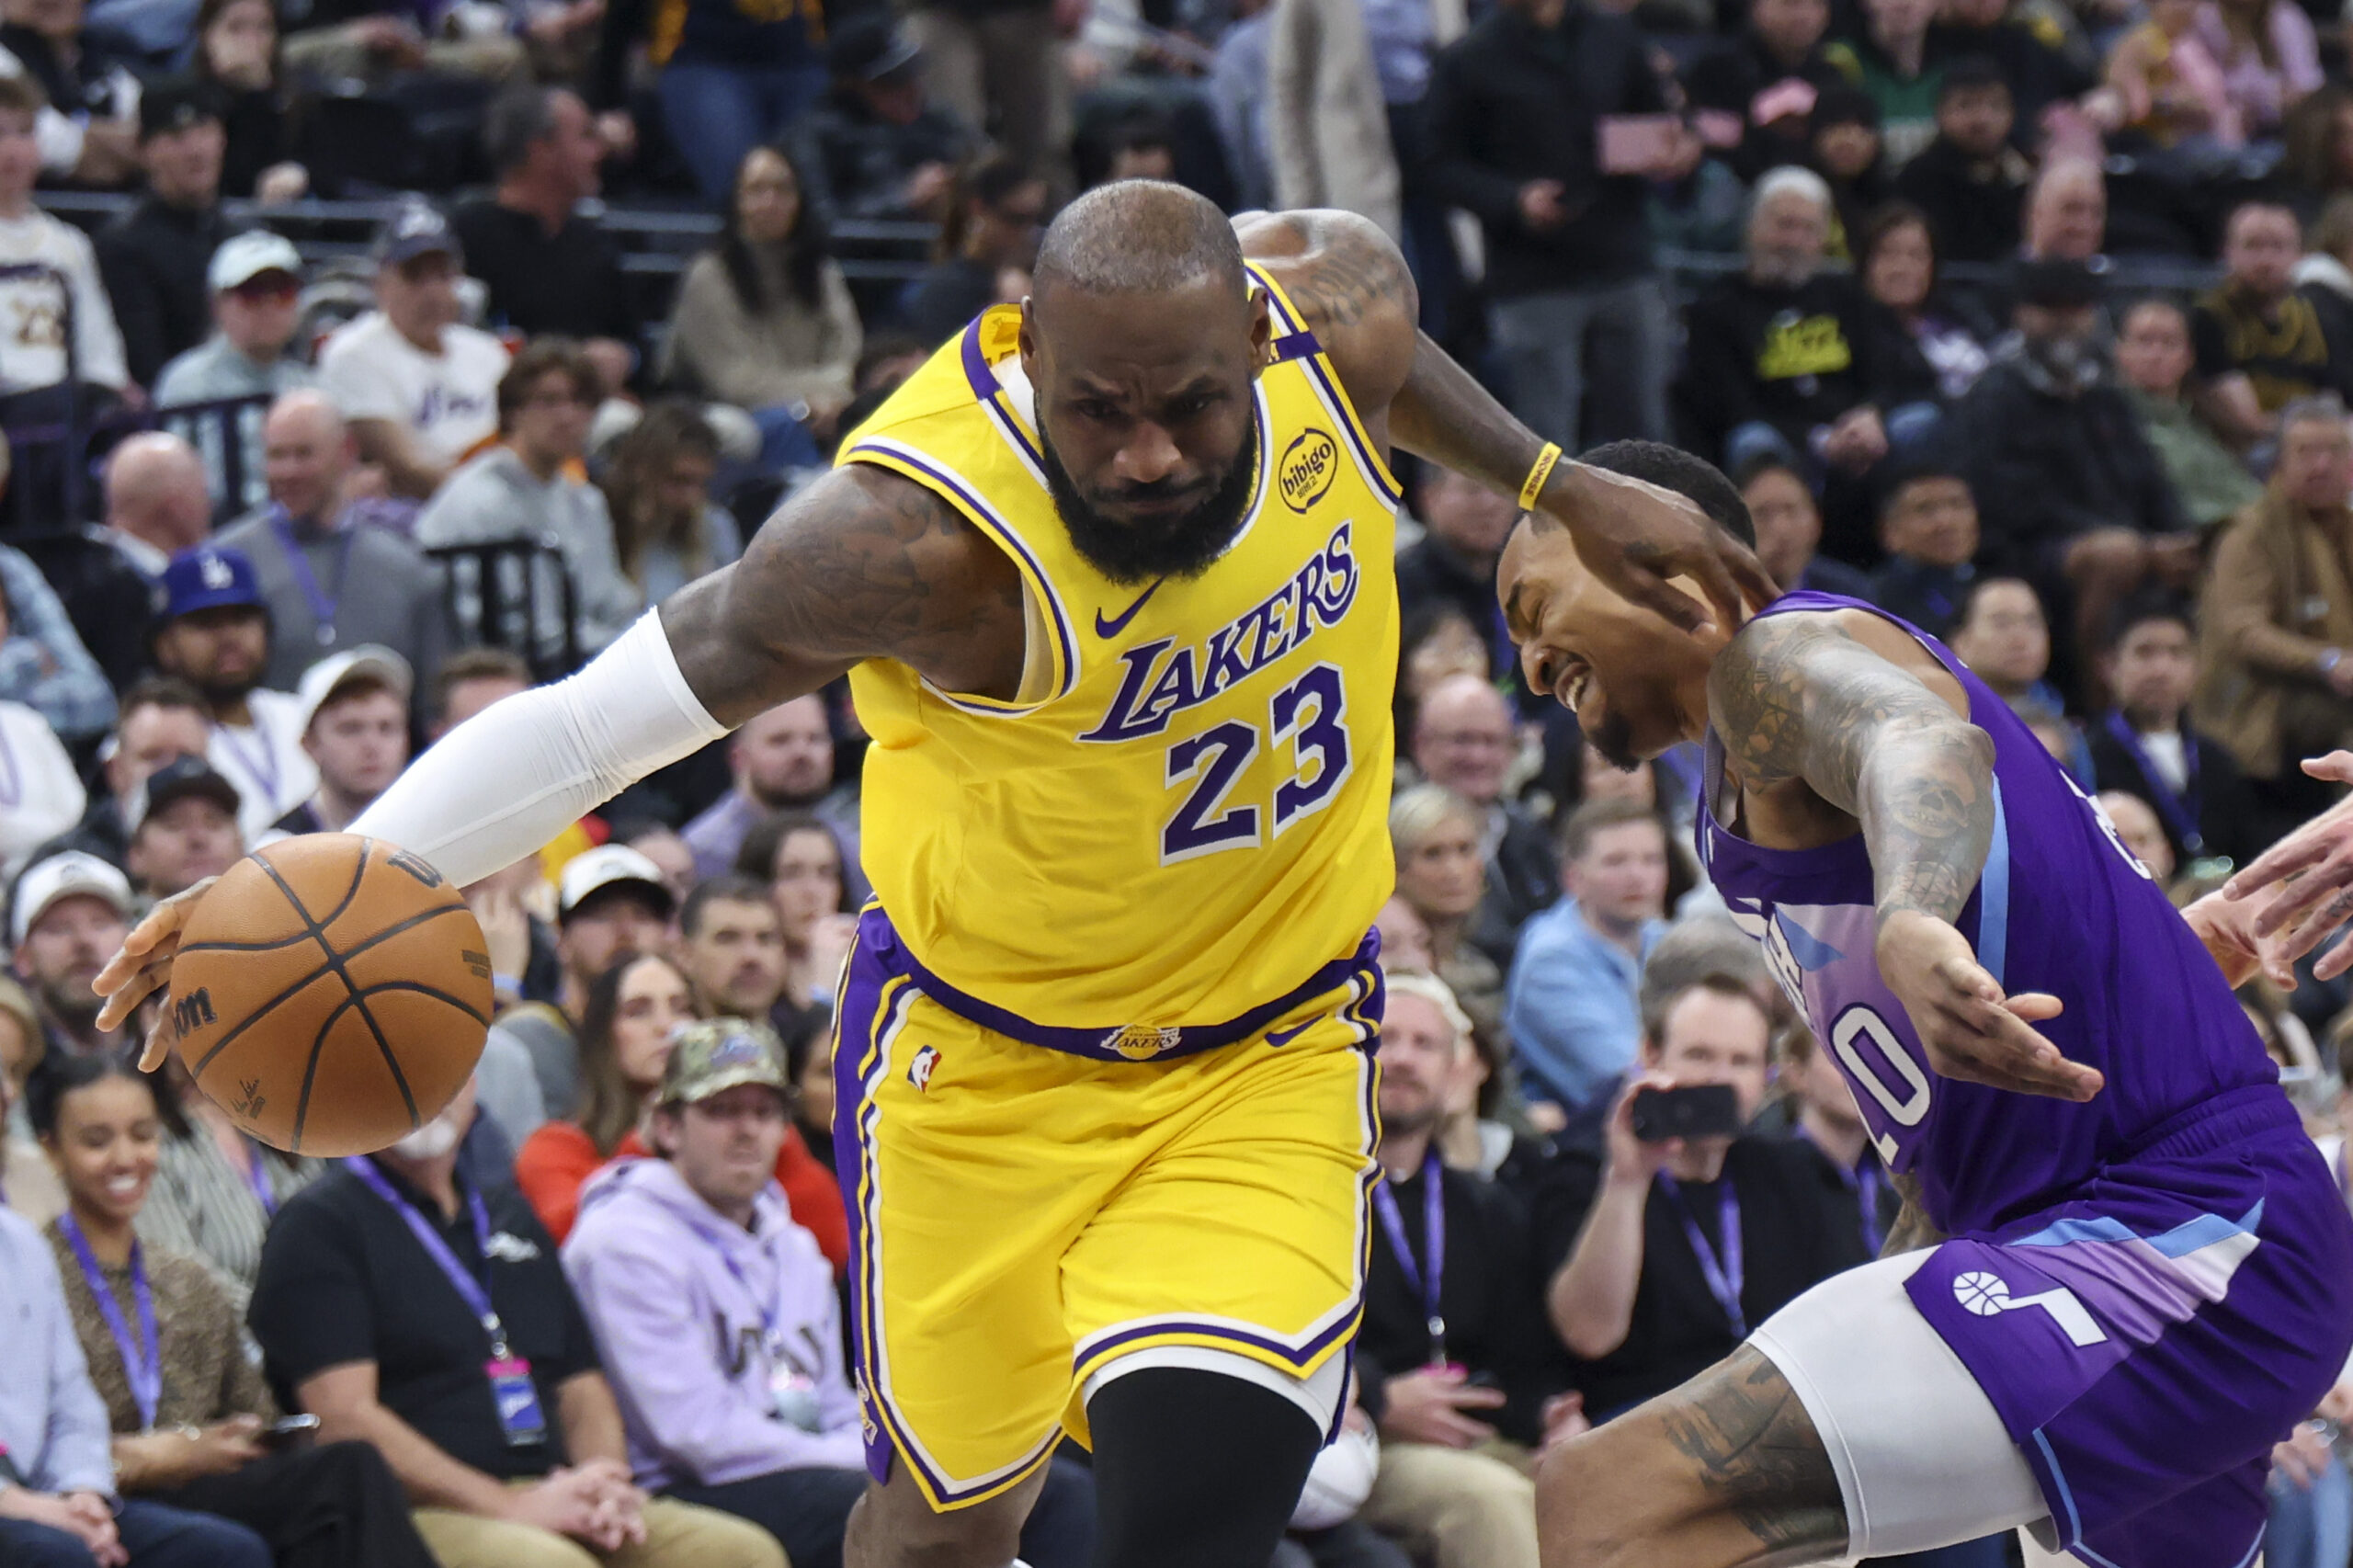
1987,1295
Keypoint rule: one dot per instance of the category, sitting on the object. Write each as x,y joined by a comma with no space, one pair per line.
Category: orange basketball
331,993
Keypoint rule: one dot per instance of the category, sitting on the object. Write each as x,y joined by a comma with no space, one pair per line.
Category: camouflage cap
716,1054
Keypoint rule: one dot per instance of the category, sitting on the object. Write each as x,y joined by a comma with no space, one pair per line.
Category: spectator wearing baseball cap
153,257
67,915
356,707
419,386
214,633
254,283
609,900
874,148
183,828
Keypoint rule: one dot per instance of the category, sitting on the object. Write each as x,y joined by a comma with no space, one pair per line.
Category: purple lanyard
1866,1182
475,1293
142,1359
1385,1203
257,1178
265,771
323,604
718,1244
1724,1275
2180,812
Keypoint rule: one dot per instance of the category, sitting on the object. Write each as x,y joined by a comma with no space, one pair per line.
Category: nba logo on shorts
919,1071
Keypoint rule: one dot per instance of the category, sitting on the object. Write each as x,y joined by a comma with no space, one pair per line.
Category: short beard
1614,739
228,694
1183,545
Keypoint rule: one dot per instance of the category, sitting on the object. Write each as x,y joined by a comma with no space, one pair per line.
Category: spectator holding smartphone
190,1413
1664,1253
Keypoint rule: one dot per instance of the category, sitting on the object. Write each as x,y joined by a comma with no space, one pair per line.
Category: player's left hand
1971,1030
2313,869
1637,538
142,968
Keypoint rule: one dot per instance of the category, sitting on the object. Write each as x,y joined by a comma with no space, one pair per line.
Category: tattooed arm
1348,280
1801,703
862,564
1912,1229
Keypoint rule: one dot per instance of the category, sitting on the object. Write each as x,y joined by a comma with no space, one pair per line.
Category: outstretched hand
1970,1029
142,968
1638,538
2312,869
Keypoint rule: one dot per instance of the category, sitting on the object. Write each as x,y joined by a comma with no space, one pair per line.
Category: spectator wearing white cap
419,387
255,284
357,731
609,900
67,916
214,633
183,828
330,580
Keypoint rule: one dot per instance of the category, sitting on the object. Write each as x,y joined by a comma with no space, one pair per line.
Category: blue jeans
2310,1527
156,1536
717,113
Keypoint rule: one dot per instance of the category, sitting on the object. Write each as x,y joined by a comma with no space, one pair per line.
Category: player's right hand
1972,1031
2312,869
142,968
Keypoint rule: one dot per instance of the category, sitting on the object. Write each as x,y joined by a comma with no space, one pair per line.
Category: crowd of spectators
2028,321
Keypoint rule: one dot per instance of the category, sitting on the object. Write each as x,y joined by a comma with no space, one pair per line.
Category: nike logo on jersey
1113,627
1279,1037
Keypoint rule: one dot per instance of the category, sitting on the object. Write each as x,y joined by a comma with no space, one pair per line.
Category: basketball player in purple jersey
2122,1270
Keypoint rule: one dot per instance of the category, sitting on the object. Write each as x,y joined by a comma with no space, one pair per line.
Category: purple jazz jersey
2147,1286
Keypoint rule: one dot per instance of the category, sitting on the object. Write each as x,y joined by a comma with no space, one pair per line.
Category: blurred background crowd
364,362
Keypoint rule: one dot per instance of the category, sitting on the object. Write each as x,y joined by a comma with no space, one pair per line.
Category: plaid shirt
42,662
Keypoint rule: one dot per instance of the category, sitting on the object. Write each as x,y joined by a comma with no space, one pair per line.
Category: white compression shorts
1922,1459
507,780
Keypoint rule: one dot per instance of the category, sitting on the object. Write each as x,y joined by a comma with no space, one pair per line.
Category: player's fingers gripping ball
331,993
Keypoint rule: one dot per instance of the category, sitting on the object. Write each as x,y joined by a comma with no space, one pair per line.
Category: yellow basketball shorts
1023,1215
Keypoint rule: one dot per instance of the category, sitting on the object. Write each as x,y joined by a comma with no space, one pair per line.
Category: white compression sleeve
507,780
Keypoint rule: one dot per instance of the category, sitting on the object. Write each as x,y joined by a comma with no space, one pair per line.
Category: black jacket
2047,468
854,163
110,602
568,283
154,259
1510,102
1973,205
2223,810
1488,1292
1793,357
1729,79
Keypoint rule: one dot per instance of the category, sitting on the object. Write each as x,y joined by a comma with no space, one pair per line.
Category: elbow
1586,1339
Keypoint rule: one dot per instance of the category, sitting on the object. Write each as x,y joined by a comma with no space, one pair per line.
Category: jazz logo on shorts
920,1069
1988,1295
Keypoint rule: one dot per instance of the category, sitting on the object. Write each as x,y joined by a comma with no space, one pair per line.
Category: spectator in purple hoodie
718,1320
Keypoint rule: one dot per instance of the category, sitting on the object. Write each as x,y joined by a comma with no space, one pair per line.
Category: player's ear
1028,341
1262,333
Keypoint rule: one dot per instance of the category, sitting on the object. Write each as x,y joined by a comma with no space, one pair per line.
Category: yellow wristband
1538,475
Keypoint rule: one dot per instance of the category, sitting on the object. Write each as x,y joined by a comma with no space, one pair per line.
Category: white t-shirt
447,402
40,795
2166,755
32,315
267,763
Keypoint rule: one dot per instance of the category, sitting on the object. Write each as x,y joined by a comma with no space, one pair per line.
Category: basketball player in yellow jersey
1112,577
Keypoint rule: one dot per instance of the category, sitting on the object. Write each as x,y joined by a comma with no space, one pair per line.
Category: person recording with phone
1685,1230
194,1427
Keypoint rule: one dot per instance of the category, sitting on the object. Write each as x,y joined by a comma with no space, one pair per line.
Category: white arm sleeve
507,780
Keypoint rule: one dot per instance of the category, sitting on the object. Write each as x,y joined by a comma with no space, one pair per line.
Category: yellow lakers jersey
1185,813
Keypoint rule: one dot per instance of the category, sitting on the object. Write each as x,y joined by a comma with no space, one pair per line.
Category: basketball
331,993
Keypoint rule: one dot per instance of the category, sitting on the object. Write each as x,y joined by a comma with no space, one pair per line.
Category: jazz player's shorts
2110,1372
1023,1215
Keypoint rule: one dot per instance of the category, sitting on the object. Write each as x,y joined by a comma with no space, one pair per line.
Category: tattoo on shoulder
1796,697
1345,269
1757,1454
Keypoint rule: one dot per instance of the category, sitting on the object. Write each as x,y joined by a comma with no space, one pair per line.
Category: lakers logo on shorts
1142,1042
1308,467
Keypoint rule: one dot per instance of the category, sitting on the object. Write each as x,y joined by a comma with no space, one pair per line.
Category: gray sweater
383,589
495,497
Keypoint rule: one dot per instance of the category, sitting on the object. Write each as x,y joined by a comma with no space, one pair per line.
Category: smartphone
1702,1110
1637,143
286,1431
